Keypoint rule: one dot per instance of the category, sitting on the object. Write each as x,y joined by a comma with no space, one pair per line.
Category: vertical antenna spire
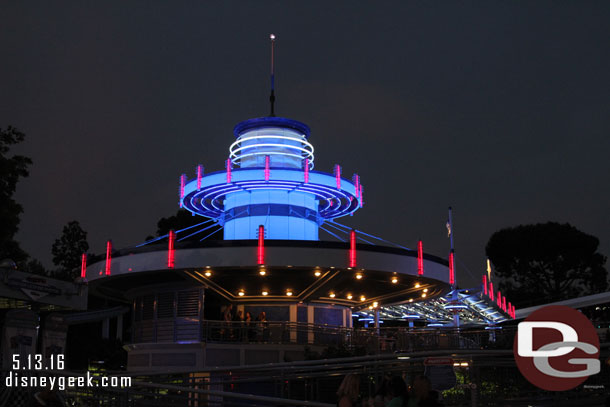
272,97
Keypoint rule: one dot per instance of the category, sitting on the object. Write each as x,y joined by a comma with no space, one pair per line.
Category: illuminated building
271,204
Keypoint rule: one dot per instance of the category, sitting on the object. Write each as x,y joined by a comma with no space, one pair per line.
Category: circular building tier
294,272
303,295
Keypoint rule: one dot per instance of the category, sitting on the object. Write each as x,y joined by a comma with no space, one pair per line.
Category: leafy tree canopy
546,262
183,219
67,250
12,169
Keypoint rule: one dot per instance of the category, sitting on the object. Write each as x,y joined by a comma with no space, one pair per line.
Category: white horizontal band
306,149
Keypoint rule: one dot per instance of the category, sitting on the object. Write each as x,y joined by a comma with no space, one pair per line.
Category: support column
293,323
106,328
456,320
119,327
310,321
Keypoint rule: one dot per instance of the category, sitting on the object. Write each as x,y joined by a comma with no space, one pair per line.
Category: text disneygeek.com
61,382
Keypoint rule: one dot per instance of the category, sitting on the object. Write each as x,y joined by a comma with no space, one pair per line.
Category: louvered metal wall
171,316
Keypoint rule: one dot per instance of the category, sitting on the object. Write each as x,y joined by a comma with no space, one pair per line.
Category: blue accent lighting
276,196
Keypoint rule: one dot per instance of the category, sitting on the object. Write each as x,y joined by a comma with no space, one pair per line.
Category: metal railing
484,378
373,340
185,329
399,339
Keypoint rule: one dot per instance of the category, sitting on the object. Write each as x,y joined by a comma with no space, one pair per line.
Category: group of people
250,329
391,392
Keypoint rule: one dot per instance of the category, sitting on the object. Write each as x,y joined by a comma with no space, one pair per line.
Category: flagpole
272,97
488,270
451,229
450,221
455,297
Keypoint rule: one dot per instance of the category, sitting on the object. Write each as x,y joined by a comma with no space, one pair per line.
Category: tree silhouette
183,219
12,169
68,249
546,262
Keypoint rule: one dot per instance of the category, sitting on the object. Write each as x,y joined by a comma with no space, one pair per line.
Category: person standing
381,397
263,326
399,395
349,391
259,326
239,324
228,314
228,319
249,325
423,395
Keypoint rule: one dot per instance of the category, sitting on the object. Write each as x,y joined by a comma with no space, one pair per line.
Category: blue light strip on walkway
217,230
347,232
331,233
197,232
166,235
369,235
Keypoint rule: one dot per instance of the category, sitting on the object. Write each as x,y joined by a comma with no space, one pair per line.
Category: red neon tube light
182,185
338,175
83,265
504,303
199,176
499,298
108,256
451,269
229,171
267,164
491,291
510,309
306,175
261,245
485,284
361,198
171,253
352,248
420,258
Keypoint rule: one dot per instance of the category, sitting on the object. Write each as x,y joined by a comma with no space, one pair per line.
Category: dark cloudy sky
500,109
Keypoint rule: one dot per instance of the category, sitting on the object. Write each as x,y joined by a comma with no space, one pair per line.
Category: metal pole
456,314
377,321
450,228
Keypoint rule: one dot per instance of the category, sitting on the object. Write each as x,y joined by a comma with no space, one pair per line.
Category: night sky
499,109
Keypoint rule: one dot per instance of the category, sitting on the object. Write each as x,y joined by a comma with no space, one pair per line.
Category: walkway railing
373,340
484,377
399,339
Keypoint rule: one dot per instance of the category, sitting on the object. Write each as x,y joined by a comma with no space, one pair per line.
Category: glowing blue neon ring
311,187
208,200
219,191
